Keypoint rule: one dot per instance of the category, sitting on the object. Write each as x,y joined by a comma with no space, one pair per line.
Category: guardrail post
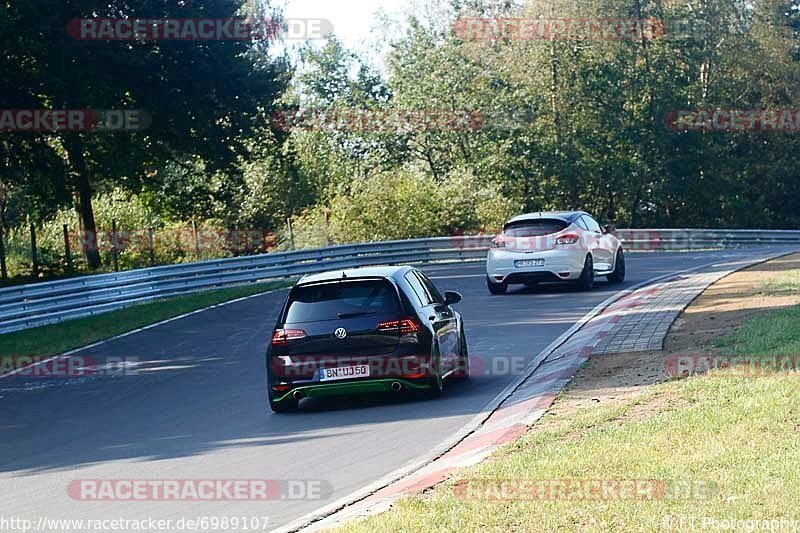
114,245
152,248
34,256
67,251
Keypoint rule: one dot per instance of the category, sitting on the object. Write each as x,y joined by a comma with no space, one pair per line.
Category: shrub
404,205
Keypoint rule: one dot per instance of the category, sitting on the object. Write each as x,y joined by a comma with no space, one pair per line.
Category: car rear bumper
559,265
350,388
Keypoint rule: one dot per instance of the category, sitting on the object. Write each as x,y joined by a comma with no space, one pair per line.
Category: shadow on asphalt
85,428
560,287
453,388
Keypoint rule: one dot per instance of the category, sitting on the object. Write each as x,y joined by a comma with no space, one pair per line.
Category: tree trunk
611,208
3,268
83,199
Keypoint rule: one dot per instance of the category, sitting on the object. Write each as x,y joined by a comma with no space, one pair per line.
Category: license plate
529,263
344,372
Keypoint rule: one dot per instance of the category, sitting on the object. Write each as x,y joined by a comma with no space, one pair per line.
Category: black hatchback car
381,329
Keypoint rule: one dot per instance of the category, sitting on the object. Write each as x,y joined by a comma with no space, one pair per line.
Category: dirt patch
721,309
730,302
656,404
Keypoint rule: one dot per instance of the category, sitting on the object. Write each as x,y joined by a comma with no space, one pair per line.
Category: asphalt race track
196,408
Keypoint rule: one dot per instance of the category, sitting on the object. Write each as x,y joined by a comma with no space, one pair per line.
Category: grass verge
777,333
734,439
58,338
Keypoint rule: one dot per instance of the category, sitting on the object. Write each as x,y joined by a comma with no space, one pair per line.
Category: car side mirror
609,228
452,297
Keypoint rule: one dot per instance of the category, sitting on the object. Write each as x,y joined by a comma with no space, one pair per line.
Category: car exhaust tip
297,395
397,386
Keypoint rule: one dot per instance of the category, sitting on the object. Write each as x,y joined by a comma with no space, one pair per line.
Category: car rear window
341,299
534,228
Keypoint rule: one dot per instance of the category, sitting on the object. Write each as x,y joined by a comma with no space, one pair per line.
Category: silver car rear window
535,228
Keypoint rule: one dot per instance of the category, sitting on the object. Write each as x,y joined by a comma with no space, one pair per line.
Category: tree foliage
564,123
205,98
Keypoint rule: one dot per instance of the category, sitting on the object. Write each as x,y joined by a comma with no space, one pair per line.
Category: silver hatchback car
554,246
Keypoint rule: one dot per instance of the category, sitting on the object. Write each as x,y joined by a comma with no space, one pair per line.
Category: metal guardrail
38,304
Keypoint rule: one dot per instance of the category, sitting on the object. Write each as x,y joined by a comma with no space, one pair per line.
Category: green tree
205,98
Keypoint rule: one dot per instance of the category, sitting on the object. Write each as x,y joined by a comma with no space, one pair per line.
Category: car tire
435,388
586,281
618,275
286,406
462,372
435,384
496,288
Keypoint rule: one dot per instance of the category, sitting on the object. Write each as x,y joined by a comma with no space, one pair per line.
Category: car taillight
403,326
569,238
498,242
283,336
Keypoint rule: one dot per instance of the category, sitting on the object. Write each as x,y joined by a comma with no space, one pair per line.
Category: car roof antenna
344,274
